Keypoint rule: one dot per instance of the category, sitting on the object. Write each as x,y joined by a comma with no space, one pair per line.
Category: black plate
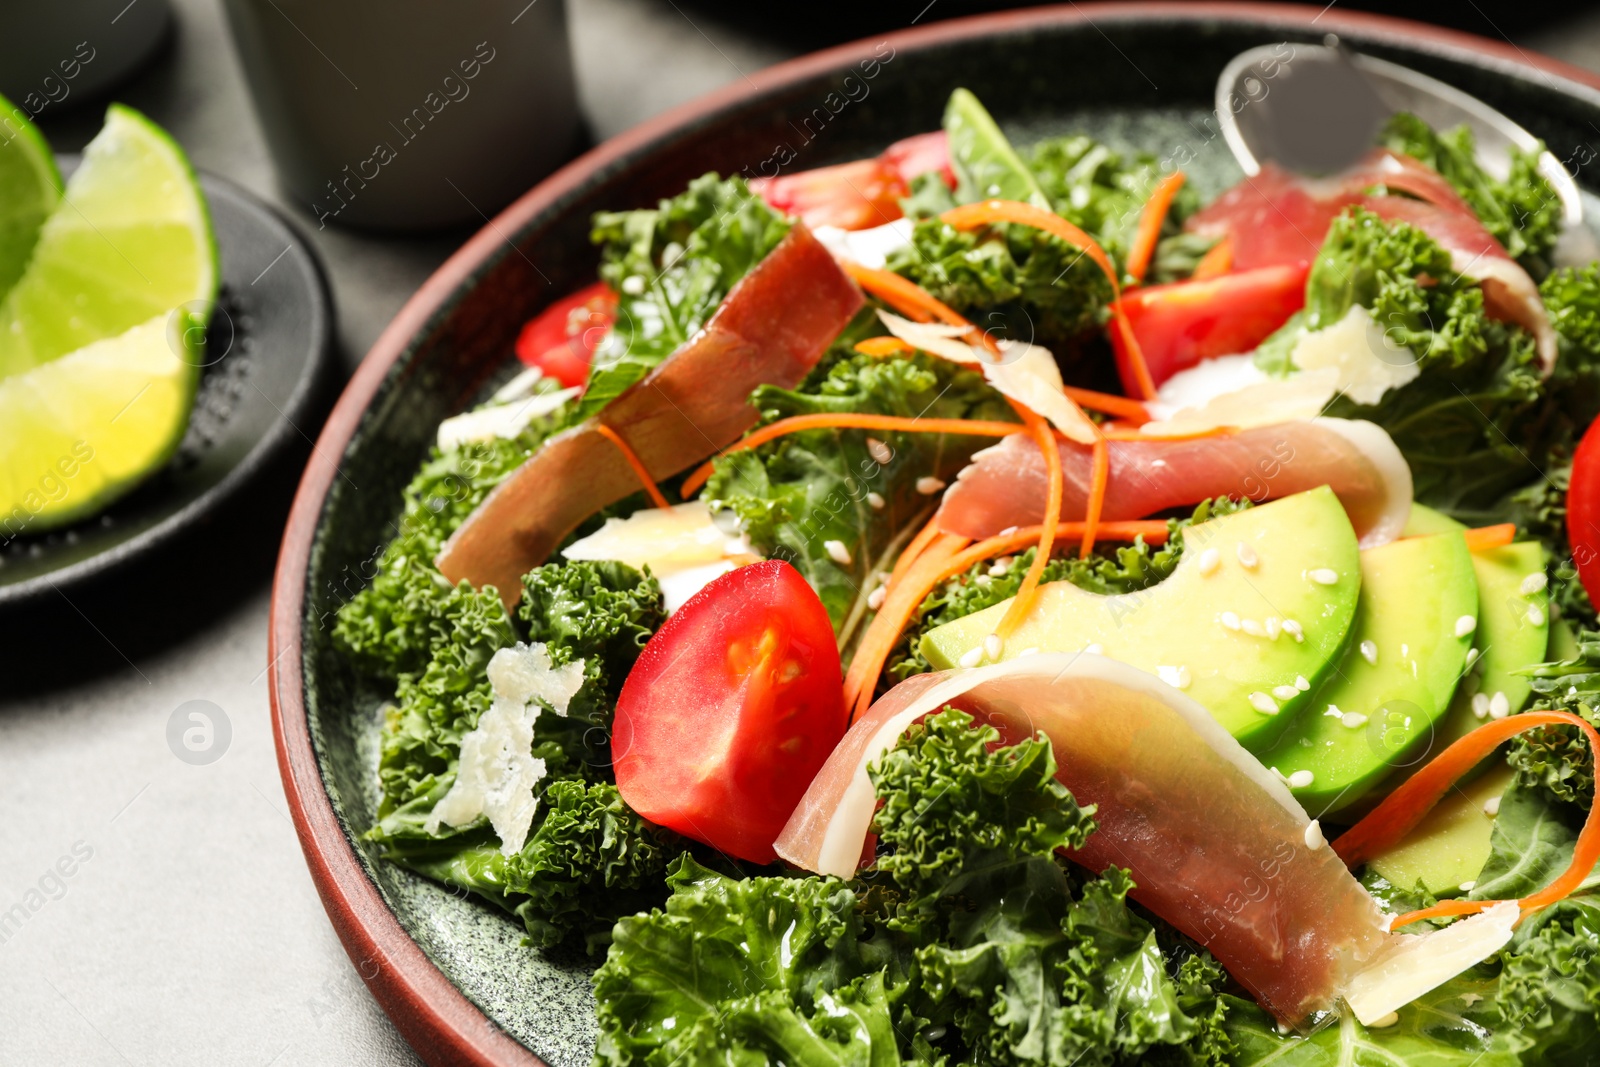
267,357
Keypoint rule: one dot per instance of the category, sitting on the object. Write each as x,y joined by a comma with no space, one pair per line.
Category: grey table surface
188,931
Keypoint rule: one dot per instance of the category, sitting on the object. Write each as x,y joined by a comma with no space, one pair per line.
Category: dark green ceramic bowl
451,973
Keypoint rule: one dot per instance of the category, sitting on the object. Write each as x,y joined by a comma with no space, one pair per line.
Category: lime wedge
130,241
81,430
30,188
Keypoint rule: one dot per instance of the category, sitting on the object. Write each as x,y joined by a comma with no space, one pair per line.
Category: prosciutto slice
1276,217
1215,843
771,329
1004,486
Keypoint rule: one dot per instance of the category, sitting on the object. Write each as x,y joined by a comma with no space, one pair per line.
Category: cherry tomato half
1180,324
1583,511
920,154
561,339
731,710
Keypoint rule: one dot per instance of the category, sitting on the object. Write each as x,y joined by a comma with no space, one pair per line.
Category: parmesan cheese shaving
497,772
1415,964
504,416
682,545
1367,361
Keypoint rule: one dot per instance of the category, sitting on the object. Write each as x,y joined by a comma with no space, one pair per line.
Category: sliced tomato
730,711
561,339
1583,511
1180,324
920,154
851,196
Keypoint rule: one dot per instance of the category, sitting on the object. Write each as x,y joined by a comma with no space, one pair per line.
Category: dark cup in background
57,53
409,114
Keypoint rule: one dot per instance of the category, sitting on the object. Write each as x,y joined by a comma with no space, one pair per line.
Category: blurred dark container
409,114
57,52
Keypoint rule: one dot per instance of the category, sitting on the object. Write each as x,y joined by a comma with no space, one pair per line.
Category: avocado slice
1448,848
1218,628
1513,629
1419,604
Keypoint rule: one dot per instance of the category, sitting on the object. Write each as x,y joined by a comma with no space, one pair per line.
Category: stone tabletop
170,919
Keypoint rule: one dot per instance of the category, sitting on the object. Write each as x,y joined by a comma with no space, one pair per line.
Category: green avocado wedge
1254,615
1447,849
1419,605
1513,630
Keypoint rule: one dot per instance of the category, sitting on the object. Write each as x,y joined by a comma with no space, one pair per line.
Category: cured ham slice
1004,486
1215,843
1276,217
771,329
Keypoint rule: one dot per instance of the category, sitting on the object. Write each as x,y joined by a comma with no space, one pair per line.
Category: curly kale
672,265
1111,571
591,862
1523,212
1550,983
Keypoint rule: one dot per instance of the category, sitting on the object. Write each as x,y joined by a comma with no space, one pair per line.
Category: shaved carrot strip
1217,260
1115,433
1400,813
1047,532
1143,246
861,680
918,543
1486,537
1121,406
850,420
635,462
883,346
988,212
1097,496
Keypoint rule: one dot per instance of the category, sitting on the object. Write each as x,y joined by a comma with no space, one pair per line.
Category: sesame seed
984,580
1472,656
1491,807
1301,684
1467,887
877,501
1534,583
1094,650
1480,705
1324,576
1384,1020
1229,619
1263,703
1285,692
1294,630
876,598
1333,710
1247,556
1301,779
993,646
1177,677
928,485
1353,720
633,284
881,453
1499,706
972,657
1209,561
1314,838
1465,625
1253,628
1001,568
1369,652
1274,627
837,552
1534,616
1009,530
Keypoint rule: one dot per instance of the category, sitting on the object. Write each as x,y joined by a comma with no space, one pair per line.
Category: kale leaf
1550,983
856,487
671,266
1523,212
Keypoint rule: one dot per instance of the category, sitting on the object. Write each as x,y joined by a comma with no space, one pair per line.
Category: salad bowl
454,975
